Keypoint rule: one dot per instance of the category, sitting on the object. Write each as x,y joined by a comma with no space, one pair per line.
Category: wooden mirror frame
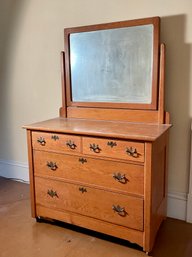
155,21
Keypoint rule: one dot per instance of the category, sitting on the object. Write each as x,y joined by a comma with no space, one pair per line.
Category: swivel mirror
113,64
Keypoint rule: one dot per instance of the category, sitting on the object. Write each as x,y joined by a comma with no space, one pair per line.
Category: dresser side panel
147,197
155,189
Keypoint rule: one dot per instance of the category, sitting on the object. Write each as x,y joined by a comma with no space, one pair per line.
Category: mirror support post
63,109
161,114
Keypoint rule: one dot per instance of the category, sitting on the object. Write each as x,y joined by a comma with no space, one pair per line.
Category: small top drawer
127,150
56,142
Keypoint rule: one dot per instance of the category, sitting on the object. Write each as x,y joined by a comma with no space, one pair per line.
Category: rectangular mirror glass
113,65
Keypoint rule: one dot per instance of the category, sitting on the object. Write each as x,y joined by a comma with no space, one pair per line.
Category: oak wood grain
140,116
121,149
132,235
110,129
92,202
91,172
56,142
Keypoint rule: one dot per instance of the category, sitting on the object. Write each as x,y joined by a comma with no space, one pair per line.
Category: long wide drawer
56,142
110,174
121,149
133,235
103,205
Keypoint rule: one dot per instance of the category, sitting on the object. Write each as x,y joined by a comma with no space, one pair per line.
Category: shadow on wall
10,13
177,99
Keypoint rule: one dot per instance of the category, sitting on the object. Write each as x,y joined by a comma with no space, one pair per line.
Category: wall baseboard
189,208
177,202
14,170
177,205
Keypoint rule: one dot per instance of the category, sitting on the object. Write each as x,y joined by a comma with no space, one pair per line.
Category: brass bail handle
52,165
41,141
119,210
71,144
120,177
131,151
52,193
95,148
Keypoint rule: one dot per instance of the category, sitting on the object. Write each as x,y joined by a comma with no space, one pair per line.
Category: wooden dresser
102,168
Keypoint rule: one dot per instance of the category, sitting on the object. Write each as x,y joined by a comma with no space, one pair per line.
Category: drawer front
127,150
56,142
113,175
103,205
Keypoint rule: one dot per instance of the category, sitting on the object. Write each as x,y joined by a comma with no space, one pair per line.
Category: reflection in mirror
113,65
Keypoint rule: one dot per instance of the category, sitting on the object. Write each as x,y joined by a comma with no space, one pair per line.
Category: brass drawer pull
82,160
71,144
120,178
52,193
132,152
120,210
55,137
52,165
41,141
95,148
112,144
82,190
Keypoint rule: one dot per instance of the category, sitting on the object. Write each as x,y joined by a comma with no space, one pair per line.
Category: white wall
31,38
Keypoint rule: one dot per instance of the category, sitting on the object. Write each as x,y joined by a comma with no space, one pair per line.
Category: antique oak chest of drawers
102,164
108,181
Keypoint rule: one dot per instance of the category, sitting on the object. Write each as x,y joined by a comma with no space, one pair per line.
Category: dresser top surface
114,129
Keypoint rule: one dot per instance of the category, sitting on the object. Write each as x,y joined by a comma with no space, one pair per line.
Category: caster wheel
38,219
